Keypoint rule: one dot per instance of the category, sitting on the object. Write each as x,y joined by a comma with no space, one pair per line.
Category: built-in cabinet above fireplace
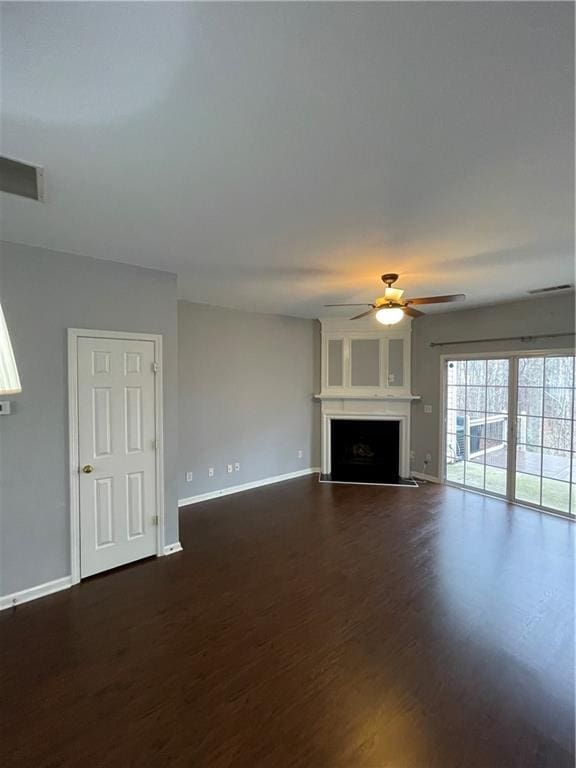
362,360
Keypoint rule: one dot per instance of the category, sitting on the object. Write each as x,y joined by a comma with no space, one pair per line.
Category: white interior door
117,452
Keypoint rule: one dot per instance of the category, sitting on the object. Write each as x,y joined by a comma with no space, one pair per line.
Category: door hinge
155,520
155,367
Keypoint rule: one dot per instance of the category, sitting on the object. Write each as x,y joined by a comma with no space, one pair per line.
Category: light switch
4,407
427,409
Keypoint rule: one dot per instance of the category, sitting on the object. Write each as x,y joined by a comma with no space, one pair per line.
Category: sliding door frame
512,435
512,357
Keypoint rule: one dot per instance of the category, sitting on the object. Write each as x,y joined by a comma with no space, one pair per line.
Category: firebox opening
365,451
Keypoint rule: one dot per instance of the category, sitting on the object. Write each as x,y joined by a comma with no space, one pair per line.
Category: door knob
88,468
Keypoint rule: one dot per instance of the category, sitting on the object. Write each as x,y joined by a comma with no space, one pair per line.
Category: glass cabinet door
396,363
335,363
365,362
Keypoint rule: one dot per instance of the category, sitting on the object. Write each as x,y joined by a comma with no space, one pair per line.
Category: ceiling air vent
22,179
552,288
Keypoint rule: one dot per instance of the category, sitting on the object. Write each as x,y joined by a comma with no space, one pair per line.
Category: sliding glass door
477,424
509,428
545,418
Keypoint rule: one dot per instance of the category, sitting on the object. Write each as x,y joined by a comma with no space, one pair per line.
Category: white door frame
73,438
512,357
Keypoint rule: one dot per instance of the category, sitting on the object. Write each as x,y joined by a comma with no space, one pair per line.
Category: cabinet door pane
396,363
365,362
335,362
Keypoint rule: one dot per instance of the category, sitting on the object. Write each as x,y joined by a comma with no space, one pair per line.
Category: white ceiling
280,156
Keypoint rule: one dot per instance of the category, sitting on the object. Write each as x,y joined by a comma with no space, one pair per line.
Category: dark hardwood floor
309,625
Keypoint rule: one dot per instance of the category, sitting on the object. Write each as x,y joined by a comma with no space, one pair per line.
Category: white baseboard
41,590
428,478
246,486
171,549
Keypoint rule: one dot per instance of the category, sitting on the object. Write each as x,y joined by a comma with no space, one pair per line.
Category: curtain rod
502,338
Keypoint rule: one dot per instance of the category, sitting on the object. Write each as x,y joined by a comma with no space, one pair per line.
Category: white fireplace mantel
354,396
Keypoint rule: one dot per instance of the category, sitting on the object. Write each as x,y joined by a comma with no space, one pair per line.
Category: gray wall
246,382
44,293
554,314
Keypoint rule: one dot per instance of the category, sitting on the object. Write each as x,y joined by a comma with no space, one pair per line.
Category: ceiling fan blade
412,312
437,299
363,304
364,314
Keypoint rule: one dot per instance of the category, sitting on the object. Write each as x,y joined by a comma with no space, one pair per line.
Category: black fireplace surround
365,451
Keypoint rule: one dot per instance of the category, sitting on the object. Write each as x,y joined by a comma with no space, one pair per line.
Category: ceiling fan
391,307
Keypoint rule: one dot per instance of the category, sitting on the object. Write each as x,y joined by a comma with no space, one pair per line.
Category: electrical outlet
189,477
428,458
237,467
229,468
211,472
300,454
412,455
427,409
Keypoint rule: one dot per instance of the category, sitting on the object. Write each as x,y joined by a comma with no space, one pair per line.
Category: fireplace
365,451
366,401
365,447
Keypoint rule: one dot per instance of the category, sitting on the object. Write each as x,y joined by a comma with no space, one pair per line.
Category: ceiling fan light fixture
389,315
393,294
391,308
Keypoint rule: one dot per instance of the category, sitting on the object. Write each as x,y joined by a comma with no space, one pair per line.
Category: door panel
103,510
102,414
476,421
133,411
135,504
544,454
117,439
